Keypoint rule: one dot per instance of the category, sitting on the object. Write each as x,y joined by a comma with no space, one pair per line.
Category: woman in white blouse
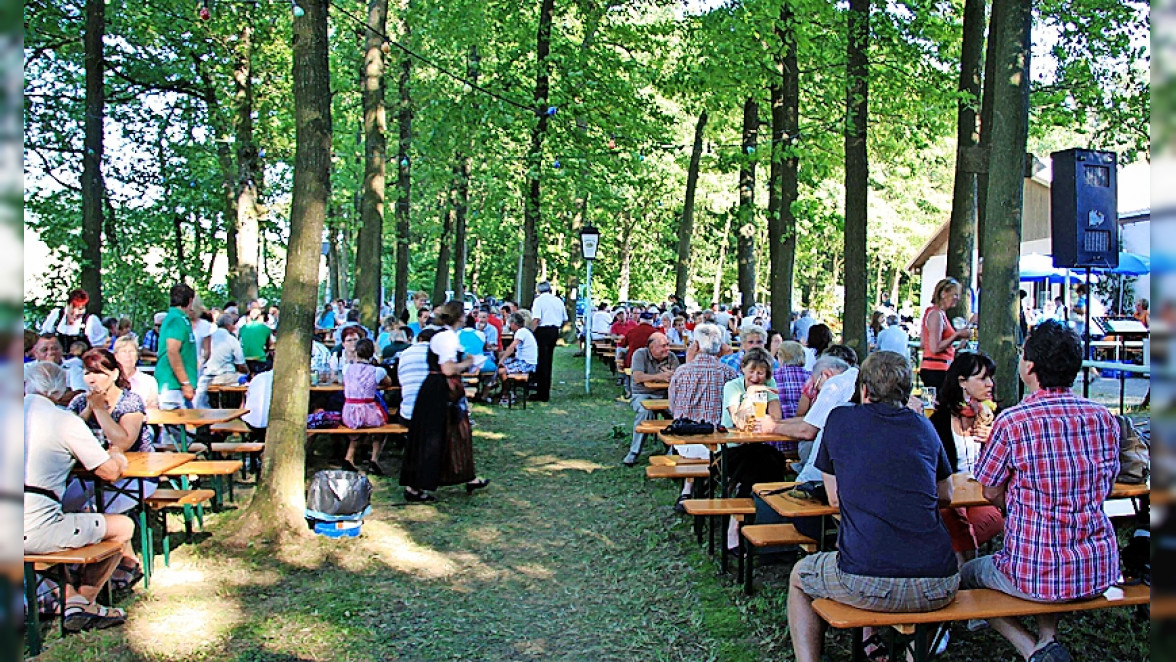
440,449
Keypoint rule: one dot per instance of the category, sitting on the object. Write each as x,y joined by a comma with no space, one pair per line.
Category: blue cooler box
340,529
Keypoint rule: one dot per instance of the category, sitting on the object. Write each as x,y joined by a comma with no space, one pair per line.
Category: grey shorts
67,531
821,577
981,572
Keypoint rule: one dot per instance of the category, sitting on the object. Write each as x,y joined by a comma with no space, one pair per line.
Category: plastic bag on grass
336,495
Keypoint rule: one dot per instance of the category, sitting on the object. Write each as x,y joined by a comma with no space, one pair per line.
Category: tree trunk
686,227
855,316
531,210
723,241
248,231
961,239
370,243
333,266
178,238
1002,235
626,245
994,21
441,276
93,186
462,203
784,185
279,503
746,246
404,172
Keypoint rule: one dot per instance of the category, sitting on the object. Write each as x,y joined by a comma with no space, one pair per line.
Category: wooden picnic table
658,385
182,418
315,388
657,404
715,439
966,492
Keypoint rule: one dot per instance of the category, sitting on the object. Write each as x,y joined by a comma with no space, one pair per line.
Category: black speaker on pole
1084,214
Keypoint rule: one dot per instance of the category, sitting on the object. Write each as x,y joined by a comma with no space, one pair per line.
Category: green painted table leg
33,616
148,554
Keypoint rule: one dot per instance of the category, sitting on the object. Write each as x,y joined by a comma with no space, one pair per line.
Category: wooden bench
656,472
980,603
158,503
652,426
249,451
756,536
511,384
96,553
391,428
675,460
218,470
717,511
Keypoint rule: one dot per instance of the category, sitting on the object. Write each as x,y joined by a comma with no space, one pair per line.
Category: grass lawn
568,555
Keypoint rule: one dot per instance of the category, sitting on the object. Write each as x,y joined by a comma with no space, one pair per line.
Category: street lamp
589,242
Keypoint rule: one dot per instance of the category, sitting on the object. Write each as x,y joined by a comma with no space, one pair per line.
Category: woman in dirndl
440,447
362,405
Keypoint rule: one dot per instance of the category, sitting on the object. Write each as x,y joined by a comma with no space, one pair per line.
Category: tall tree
532,214
961,237
745,251
247,231
279,504
404,166
370,243
441,276
686,226
856,175
783,185
987,98
462,195
1010,40
93,185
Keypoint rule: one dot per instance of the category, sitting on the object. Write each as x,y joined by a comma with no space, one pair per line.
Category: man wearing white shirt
894,338
226,359
601,322
549,315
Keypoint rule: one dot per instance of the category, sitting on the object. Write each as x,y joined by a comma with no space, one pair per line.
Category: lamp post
589,242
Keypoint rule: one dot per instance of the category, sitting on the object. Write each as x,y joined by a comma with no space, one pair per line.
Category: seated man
696,391
226,360
1050,461
654,362
883,465
752,337
54,440
521,357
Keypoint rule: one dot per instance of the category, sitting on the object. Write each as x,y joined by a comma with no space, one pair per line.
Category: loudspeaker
1084,215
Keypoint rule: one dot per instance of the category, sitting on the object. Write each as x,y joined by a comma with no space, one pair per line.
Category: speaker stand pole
1086,339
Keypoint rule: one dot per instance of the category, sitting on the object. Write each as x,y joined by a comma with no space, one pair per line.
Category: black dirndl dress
440,448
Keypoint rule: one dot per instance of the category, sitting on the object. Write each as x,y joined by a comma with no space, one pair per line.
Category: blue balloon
551,110
404,162
556,164
299,12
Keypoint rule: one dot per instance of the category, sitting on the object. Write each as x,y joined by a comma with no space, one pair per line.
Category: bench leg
710,536
32,613
749,568
166,536
62,582
145,543
859,649
725,525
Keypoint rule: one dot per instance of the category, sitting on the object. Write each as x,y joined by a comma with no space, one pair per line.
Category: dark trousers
545,337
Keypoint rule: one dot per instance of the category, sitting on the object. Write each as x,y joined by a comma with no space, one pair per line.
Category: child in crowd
74,370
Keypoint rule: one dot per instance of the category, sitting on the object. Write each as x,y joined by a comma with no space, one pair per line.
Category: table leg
32,613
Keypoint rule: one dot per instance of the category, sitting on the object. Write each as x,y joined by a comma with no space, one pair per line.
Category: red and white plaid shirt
696,389
1059,455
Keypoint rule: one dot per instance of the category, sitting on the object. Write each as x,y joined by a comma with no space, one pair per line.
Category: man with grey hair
835,382
54,440
226,359
801,326
652,363
696,389
549,315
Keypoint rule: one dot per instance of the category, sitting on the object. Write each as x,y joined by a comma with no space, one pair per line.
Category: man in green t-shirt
176,372
256,337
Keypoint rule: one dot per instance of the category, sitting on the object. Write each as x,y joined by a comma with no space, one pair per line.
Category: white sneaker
977,624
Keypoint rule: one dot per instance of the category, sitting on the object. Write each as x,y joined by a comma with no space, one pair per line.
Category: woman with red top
938,335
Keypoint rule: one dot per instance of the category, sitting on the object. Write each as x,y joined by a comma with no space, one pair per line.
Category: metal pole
1086,338
588,329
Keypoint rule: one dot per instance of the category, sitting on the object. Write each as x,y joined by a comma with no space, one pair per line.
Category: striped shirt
412,369
1059,455
696,389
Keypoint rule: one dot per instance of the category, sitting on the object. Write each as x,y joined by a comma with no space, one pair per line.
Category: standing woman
440,447
938,336
70,323
963,419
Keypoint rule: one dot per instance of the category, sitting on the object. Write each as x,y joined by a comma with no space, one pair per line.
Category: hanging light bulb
612,143
299,12
404,162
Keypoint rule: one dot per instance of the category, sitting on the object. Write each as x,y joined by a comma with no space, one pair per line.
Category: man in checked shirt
1050,462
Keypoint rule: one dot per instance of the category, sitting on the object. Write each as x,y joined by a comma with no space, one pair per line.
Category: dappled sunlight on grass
606,540
181,627
534,571
484,535
486,434
393,547
549,464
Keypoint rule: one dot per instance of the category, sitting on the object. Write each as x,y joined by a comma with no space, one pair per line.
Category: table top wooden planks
193,417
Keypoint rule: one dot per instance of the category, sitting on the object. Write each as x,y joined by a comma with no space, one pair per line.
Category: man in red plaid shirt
1050,461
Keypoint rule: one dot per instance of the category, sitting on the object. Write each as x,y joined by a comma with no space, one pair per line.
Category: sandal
875,648
79,619
127,579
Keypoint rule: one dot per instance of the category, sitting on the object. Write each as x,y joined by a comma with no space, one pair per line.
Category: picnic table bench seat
676,460
390,428
980,603
652,426
164,499
96,553
656,472
756,536
217,470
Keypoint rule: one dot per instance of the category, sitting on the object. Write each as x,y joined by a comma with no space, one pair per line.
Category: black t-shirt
887,461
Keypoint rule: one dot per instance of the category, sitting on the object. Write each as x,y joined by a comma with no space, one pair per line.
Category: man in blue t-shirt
884,467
